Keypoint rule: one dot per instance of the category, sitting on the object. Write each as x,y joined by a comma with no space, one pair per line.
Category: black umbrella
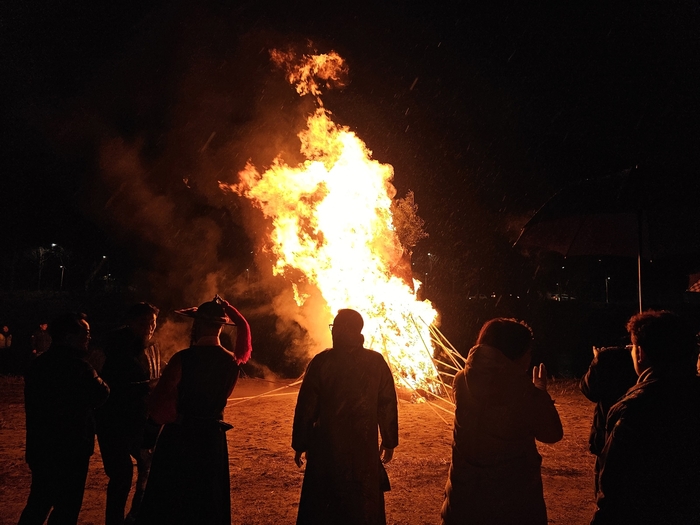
629,214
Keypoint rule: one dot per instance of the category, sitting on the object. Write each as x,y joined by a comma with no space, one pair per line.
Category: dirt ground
265,483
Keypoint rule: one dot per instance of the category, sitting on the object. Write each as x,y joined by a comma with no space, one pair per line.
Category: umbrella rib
576,233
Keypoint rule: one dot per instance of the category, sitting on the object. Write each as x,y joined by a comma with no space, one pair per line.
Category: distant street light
63,269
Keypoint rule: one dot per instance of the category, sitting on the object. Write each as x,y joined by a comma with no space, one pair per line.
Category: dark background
119,119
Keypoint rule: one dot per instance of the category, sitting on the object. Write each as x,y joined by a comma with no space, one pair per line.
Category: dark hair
347,329
139,310
664,336
512,337
349,321
66,324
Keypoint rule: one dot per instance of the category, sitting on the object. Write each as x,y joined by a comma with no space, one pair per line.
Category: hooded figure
495,477
189,479
346,396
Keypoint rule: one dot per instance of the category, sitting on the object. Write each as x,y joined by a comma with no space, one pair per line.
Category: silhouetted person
346,395
40,340
189,480
131,369
60,393
6,360
609,376
495,476
6,340
650,465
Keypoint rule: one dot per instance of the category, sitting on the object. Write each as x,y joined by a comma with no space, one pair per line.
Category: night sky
118,119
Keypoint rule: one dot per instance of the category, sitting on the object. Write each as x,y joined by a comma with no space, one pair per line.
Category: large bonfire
333,233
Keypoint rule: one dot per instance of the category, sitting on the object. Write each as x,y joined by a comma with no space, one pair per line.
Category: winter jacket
61,391
650,465
495,474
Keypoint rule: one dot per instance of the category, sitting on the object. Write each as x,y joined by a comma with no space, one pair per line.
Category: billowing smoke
167,124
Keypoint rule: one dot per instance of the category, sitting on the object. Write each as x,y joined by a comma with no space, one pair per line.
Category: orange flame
332,231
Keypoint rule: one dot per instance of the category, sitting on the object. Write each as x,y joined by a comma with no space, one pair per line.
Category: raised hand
539,377
230,310
243,347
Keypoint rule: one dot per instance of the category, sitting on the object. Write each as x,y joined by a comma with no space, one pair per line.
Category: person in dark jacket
346,395
7,364
40,340
495,476
61,391
131,369
609,376
650,465
189,481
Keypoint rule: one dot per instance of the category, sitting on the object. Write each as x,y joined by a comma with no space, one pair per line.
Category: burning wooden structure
333,238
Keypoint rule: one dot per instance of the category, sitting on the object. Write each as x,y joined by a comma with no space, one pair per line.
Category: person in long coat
494,477
346,398
189,481
650,465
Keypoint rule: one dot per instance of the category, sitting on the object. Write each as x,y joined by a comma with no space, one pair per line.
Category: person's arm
305,413
94,391
590,384
162,403
388,415
243,347
617,476
545,421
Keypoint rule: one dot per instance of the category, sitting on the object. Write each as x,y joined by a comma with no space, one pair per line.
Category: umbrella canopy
629,214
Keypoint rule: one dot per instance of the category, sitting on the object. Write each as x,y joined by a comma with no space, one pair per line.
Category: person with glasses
61,392
346,401
650,465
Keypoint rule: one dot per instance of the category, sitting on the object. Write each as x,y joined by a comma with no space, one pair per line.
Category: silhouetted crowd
169,421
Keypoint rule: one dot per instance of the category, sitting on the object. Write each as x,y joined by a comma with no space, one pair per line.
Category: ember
333,235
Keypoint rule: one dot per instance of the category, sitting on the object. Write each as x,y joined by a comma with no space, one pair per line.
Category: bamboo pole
242,399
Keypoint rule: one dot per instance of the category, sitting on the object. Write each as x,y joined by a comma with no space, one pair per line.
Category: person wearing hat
189,479
347,394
